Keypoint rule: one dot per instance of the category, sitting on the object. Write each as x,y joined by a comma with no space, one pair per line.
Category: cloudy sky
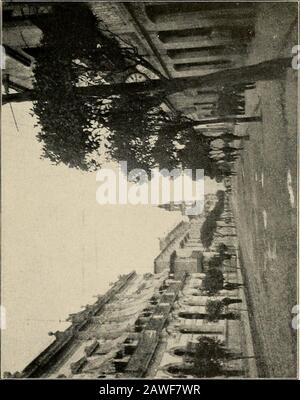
59,247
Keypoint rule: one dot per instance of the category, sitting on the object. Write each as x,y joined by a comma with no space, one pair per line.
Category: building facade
184,40
179,40
149,325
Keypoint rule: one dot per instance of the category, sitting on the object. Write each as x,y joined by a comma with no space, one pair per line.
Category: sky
59,246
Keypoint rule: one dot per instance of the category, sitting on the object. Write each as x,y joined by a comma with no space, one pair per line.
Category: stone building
146,325
184,40
210,200
179,40
149,325
21,38
182,206
176,238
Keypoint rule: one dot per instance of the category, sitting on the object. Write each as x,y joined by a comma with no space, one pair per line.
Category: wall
169,245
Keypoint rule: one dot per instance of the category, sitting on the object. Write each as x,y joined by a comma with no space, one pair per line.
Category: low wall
179,229
169,244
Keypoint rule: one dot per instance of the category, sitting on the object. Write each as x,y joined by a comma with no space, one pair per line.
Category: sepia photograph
149,191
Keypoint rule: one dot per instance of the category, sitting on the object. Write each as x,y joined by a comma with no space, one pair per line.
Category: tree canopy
214,309
83,105
69,123
208,356
75,129
213,281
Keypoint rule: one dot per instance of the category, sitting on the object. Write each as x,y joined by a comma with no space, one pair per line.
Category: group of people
231,99
224,144
224,149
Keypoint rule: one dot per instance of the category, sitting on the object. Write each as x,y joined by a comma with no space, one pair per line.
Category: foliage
215,261
209,226
75,129
195,155
224,253
213,281
214,309
75,52
148,137
69,122
138,133
208,356
222,248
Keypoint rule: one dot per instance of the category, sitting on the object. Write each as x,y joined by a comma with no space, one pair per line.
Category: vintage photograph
149,190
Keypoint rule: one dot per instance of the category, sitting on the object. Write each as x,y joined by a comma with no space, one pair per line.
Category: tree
209,227
213,281
70,125
224,251
267,70
83,105
209,358
215,310
215,261
75,127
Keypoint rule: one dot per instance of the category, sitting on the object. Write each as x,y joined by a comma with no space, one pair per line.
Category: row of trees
208,358
214,280
83,104
209,226
215,309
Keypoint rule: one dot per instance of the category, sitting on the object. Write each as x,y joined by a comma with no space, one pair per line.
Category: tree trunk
240,357
221,120
27,95
267,70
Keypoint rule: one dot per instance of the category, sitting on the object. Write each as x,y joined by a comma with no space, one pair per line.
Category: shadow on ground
265,198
